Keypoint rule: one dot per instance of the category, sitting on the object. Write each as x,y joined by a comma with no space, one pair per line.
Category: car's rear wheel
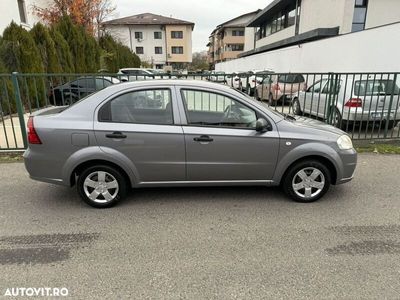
101,186
337,120
296,107
307,181
391,124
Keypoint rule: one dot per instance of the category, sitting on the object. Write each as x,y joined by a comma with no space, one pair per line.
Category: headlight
345,143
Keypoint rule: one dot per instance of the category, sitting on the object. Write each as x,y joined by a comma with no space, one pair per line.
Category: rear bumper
371,116
40,168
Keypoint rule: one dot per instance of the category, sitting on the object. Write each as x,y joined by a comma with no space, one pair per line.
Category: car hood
315,124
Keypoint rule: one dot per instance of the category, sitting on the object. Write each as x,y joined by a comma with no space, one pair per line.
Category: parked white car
217,76
352,98
249,81
134,74
233,80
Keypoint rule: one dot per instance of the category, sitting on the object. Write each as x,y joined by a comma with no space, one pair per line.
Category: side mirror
262,125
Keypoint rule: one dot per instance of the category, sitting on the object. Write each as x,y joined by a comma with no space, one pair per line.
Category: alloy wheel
308,182
101,187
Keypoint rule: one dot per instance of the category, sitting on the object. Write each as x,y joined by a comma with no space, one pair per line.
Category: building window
280,21
177,34
157,35
177,50
359,16
22,11
237,32
158,50
138,35
235,47
139,50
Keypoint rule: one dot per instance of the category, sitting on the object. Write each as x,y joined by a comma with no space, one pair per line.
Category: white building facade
19,11
323,36
147,41
157,40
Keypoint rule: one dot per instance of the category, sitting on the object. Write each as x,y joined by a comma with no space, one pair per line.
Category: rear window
375,87
291,78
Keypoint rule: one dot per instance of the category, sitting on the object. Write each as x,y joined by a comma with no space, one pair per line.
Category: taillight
354,102
33,137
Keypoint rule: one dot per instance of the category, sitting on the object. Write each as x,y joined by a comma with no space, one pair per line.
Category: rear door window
290,78
102,83
142,107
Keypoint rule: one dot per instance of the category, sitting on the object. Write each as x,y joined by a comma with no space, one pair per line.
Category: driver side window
211,109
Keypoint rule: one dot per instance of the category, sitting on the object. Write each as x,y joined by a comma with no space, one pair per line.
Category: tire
337,120
296,108
270,98
89,179
391,124
306,190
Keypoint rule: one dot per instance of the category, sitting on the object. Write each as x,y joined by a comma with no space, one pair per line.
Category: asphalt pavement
206,243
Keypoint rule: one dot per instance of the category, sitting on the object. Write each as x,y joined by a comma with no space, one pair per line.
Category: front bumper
348,167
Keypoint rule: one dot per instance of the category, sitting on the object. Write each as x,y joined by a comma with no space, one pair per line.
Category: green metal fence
366,105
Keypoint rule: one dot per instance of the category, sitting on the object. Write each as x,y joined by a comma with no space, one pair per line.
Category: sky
206,14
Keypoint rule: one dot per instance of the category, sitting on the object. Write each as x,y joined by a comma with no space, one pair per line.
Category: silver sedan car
182,133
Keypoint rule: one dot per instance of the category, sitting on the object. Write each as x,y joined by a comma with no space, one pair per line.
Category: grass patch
11,157
379,149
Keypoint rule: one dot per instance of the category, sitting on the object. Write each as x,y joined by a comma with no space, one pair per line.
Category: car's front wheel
307,181
101,186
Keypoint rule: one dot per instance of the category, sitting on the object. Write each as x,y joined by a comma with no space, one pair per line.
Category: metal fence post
390,106
20,109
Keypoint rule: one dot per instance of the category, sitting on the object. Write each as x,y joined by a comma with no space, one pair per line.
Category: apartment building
160,41
227,40
322,36
19,11
287,22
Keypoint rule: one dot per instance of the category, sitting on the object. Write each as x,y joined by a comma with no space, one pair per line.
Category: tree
47,49
199,61
116,56
63,52
76,42
19,52
87,13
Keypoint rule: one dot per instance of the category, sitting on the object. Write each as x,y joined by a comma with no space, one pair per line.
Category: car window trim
104,103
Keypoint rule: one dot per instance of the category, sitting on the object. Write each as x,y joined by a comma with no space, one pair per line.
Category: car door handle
203,138
116,135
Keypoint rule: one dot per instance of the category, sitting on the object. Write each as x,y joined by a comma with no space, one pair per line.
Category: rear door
221,141
141,125
310,99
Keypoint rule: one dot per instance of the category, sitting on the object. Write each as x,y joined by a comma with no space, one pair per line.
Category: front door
221,141
140,125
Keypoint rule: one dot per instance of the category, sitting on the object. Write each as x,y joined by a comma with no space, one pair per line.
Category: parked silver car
351,98
182,133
